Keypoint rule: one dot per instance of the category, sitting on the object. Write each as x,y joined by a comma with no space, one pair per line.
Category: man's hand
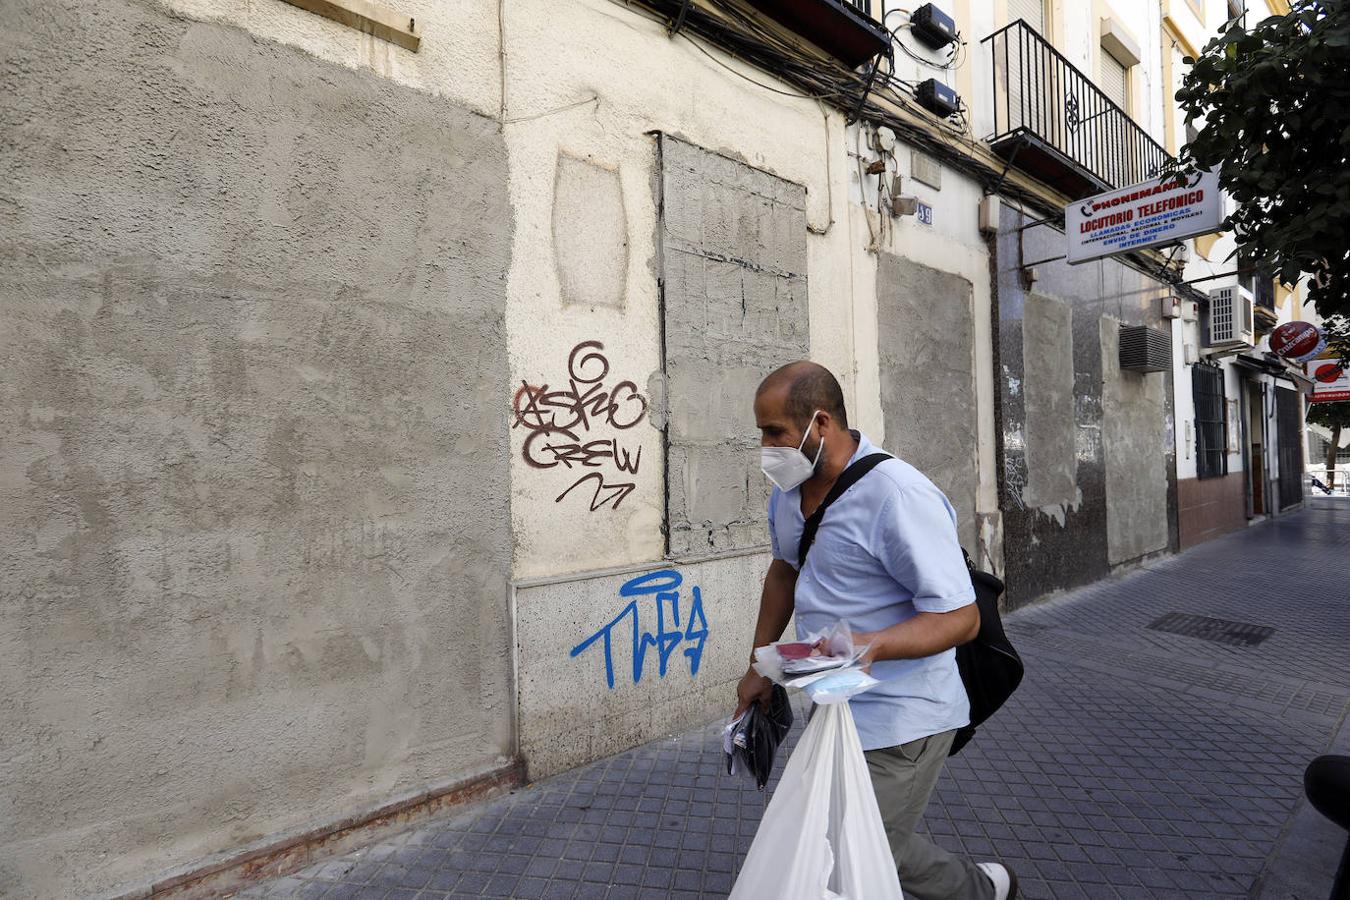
754,688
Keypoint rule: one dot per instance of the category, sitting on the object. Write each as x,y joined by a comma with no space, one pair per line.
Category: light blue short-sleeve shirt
886,551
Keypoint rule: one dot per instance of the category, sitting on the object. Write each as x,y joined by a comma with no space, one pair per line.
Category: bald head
808,387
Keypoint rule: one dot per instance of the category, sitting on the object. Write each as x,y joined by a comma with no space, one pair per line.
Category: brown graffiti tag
560,419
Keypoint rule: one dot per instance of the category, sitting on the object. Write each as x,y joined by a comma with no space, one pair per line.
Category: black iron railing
1037,92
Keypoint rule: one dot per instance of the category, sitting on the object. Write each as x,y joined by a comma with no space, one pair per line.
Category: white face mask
787,468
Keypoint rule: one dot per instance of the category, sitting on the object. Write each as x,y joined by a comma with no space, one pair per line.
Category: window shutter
1113,80
1033,11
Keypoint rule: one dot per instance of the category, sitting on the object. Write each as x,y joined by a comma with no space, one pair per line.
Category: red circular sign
1299,341
1328,373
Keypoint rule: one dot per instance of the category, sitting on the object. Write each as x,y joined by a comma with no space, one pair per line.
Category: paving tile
1131,763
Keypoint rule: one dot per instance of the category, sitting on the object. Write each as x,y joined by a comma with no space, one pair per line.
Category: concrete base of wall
289,853
1210,507
612,660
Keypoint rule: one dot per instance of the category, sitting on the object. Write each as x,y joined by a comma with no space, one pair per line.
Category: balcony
1053,123
842,28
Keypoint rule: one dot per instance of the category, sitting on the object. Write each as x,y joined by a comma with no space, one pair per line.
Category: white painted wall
647,83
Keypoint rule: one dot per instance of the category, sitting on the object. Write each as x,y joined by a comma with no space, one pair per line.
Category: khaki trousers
903,778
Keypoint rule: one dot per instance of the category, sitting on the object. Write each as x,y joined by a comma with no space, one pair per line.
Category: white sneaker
1005,882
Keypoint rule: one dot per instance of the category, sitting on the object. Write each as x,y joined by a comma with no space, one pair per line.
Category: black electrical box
936,97
932,27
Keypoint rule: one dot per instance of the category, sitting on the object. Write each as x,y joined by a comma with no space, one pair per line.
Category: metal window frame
1211,421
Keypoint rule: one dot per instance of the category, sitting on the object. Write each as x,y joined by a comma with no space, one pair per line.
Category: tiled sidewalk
1132,763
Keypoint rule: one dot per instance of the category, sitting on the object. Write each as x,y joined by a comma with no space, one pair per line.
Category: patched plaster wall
253,487
1047,385
1108,519
1136,443
926,341
733,266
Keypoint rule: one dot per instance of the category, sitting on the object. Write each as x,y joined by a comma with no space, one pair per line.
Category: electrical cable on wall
743,36
829,178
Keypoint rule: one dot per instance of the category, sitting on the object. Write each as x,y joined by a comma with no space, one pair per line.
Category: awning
1271,365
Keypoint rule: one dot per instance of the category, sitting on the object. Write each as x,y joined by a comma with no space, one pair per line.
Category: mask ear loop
820,449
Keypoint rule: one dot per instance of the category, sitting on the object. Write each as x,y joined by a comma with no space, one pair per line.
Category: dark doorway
1287,421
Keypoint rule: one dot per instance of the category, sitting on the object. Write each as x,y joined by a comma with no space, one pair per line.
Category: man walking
887,561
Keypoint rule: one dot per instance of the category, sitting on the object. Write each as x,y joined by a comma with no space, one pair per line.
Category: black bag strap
846,480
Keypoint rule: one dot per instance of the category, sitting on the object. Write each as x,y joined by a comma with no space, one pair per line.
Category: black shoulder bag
989,665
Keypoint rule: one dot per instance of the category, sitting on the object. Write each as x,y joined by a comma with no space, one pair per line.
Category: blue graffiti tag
663,588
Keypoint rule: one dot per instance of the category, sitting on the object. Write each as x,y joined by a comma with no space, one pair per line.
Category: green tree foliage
1330,415
1274,99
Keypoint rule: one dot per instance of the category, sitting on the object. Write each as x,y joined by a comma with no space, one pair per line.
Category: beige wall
253,480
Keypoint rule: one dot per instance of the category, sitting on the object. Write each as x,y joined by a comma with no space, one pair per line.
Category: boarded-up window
1114,79
733,275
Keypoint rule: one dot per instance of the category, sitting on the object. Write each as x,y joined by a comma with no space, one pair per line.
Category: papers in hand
827,665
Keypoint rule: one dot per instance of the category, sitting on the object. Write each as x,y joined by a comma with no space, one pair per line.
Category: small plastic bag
826,664
838,686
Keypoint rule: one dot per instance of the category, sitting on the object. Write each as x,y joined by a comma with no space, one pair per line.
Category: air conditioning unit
1230,323
1144,349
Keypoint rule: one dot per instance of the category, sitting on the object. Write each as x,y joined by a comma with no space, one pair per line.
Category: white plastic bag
821,837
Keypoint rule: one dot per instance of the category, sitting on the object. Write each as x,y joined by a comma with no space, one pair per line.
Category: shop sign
1297,341
1331,380
1142,216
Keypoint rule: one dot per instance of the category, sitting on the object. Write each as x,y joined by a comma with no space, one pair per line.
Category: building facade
378,388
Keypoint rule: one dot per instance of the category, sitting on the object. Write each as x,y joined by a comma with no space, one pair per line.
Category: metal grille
1211,439
1220,320
1287,421
1219,631
1144,349
1039,92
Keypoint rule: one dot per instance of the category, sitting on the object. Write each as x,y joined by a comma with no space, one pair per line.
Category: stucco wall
254,480
1047,383
1061,533
1135,442
927,355
614,660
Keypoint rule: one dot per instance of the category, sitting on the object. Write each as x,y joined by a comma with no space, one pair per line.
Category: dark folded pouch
761,731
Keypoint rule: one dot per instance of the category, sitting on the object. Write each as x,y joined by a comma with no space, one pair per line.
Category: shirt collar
864,447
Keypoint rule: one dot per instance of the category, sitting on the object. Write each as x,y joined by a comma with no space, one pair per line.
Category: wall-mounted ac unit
1229,323
1144,349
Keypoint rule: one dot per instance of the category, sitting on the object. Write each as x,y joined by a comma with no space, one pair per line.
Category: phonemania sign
1143,215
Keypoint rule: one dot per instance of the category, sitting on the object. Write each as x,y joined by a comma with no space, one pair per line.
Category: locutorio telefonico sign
1143,215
